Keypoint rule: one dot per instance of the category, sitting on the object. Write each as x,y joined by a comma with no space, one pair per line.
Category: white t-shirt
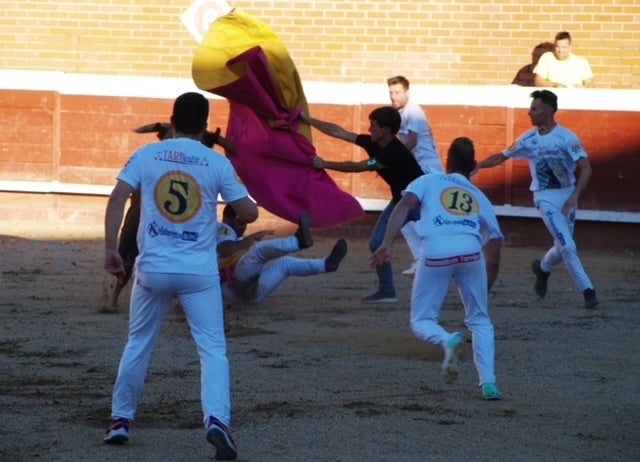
180,180
413,119
571,72
456,218
552,157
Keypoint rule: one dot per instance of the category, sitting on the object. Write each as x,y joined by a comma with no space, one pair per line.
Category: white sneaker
118,432
451,357
412,270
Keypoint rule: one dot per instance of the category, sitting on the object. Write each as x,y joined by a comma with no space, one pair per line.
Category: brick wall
431,42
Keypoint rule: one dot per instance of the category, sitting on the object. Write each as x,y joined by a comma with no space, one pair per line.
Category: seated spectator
525,76
561,68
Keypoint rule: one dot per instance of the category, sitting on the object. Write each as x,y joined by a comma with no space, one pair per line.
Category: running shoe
491,392
451,358
218,435
118,432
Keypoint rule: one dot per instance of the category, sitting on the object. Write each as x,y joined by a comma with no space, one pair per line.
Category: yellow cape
230,36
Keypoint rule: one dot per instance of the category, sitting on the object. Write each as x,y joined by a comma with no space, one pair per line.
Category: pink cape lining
272,157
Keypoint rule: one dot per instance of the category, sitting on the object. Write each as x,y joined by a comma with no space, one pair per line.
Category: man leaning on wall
561,68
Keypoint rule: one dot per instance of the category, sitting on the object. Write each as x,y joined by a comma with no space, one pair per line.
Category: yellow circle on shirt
459,201
178,196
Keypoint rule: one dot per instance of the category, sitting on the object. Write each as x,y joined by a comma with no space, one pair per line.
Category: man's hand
570,205
318,162
380,256
113,264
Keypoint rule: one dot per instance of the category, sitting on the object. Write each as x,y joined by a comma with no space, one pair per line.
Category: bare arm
346,166
384,253
246,209
410,140
492,251
227,145
113,219
329,128
582,179
491,161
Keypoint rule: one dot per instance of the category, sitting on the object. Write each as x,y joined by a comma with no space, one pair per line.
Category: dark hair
386,116
228,212
543,47
190,113
398,79
563,35
547,97
462,155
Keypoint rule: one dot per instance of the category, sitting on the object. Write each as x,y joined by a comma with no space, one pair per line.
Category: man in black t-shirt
394,163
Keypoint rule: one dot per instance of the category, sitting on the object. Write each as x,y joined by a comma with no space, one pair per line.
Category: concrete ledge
342,93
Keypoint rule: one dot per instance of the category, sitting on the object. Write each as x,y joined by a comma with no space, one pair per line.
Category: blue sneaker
381,297
491,392
118,432
218,435
451,357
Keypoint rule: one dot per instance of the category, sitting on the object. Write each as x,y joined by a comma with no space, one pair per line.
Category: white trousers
430,287
267,261
549,203
151,299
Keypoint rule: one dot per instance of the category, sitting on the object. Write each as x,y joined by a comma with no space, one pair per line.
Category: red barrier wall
611,139
50,136
75,139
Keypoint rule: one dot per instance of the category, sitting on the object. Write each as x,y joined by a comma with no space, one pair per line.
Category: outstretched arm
346,166
329,128
491,161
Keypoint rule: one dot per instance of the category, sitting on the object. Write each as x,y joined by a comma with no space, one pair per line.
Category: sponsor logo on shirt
178,157
155,230
443,221
576,148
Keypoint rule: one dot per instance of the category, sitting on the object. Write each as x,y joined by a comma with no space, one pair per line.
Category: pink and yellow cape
243,60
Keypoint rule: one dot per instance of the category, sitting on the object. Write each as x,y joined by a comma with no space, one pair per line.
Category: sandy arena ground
316,374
